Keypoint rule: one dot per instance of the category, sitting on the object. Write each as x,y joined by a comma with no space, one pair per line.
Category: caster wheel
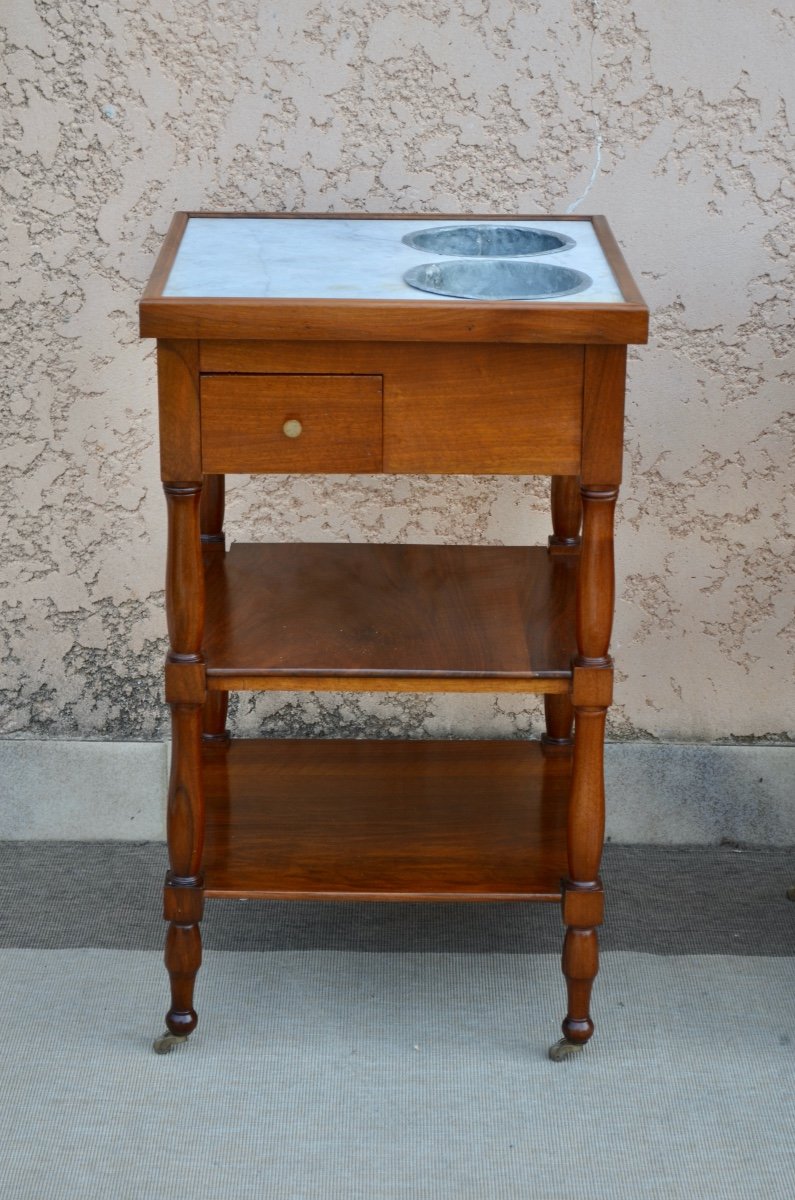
564,1049
167,1041
791,893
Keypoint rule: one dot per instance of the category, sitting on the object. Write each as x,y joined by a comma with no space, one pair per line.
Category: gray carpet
397,1052
664,900
327,1075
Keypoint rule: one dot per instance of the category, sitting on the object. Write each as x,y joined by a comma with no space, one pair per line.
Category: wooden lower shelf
385,820
382,617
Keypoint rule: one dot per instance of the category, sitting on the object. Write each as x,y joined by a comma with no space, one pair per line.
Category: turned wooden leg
566,508
592,680
213,502
559,720
183,894
214,717
583,900
580,965
214,547
185,691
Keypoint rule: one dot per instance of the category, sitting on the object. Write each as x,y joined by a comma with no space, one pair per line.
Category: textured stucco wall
673,118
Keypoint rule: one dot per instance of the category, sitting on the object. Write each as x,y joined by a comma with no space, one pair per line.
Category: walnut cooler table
293,344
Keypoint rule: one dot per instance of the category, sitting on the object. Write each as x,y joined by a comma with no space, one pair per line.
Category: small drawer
286,423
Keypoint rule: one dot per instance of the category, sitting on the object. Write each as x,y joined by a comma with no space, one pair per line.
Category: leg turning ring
166,1042
564,1049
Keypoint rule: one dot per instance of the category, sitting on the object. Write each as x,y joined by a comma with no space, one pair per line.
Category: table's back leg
214,717
558,719
566,508
214,543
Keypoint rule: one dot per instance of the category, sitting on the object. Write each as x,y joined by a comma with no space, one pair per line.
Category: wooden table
313,383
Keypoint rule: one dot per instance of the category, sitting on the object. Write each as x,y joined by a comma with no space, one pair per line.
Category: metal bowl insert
487,241
497,279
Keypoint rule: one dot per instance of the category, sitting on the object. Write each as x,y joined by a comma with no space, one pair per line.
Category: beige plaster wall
672,118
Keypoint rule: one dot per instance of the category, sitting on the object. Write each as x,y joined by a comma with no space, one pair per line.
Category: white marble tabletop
320,258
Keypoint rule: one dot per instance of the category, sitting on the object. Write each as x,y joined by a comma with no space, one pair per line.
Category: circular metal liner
487,241
497,279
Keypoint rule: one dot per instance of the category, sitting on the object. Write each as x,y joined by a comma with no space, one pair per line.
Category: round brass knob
292,428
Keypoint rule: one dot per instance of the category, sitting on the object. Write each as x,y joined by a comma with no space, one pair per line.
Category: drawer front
291,423
486,410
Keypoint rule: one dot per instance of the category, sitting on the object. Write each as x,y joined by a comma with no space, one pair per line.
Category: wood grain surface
398,612
243,423
385,820
443,387
455,409
440,320
465,410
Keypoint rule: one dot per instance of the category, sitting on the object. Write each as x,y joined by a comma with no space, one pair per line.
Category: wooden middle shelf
385,820
384,617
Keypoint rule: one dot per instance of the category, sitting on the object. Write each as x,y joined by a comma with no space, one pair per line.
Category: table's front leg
185,692
181,471
583,900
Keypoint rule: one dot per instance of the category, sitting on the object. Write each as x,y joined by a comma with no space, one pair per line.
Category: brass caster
564,1049
791,893
166,1042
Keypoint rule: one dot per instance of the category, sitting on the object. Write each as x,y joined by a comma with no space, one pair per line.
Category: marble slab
285,258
